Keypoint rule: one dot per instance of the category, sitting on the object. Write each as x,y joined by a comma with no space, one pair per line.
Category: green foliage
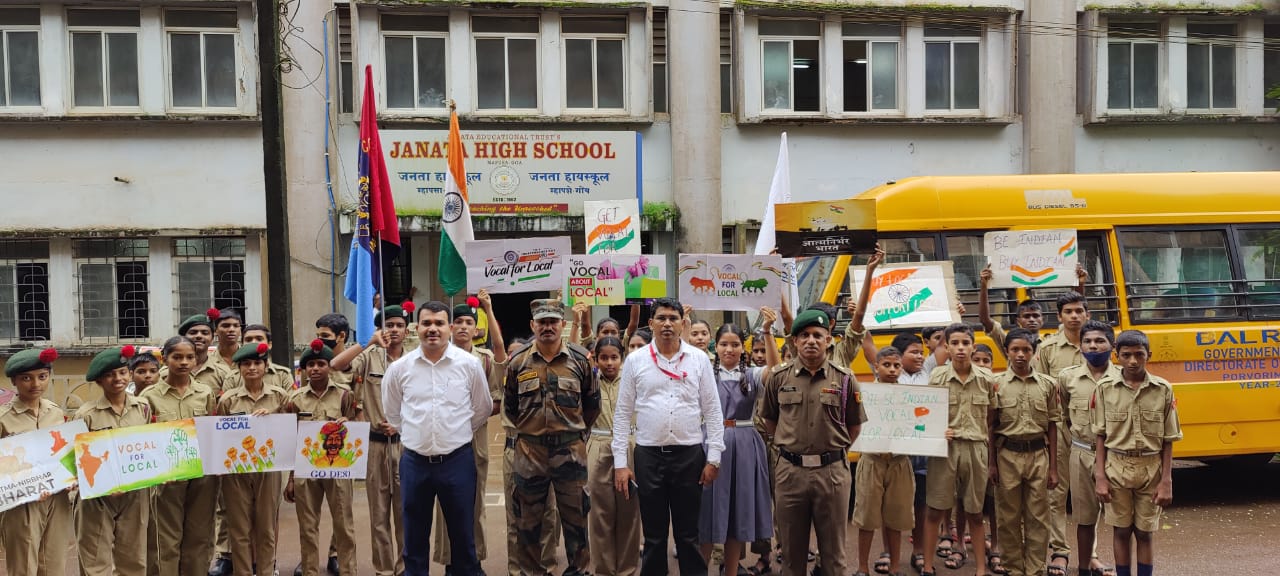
658,214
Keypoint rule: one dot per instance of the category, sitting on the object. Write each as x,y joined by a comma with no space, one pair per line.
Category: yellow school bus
1192,259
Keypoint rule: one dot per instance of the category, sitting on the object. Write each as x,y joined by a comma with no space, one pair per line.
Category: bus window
1260,260
898,250
1176,275
965,253
1100,290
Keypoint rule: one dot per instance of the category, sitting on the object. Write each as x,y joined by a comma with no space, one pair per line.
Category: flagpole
382,296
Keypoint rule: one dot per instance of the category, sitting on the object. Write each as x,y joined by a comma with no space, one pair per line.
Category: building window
346,68
506,63
24,290
792,68
659,60
952,67
1133,66
1271,65
415,48
104,58
112,280
726,62
209,272
871,65
1211,66
202,58
595,61
19,57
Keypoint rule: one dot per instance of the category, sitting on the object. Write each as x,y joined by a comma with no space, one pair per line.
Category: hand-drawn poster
125,459
908,295
612,226
825,228
730,281
903,419
1031,258
609,280
517,265
37,463
332,450
247,444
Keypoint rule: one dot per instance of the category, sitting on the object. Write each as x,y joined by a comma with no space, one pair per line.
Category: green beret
252,351
810,318
404,310
317,351
464,310
209,318
108,360
28,360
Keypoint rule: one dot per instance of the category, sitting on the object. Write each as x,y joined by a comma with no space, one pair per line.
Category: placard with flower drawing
247,444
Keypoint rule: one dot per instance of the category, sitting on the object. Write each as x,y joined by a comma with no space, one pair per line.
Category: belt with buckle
602,432
383,438
1033,445
739,424
554,439
812,460
1081,444
510,443
1135,453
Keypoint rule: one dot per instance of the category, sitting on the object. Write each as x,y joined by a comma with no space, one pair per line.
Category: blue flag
360,289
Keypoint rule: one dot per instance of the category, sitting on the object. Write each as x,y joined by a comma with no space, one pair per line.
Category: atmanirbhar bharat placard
904,419
1032,258
37,463
825,228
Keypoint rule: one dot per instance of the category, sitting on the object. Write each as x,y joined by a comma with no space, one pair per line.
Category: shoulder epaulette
582,354
781,368
842,369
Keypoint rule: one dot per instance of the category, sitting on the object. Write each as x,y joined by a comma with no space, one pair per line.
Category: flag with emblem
455,229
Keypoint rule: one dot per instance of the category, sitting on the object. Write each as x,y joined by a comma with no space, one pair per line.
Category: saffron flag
377,234
455,229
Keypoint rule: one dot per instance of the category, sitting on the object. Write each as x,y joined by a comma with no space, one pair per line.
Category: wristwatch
716,465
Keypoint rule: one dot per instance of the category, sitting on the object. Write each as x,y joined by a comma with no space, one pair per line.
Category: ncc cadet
109,530
1060,351
1024,463
493,363
382,485
1135,418
182,512
552,397
277,375
226,332
334,330
34,535
322,400
253,500
209,370
813,409
969,417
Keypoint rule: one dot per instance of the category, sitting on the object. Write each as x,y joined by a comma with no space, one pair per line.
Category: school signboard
37,463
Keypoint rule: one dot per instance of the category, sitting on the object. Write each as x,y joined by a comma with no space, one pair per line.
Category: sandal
761,568
813,555
956,560
996,564
945,551
883,564
1104,570
917,563
1054,569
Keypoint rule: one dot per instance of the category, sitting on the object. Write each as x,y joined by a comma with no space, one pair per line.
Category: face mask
331,343
1097,359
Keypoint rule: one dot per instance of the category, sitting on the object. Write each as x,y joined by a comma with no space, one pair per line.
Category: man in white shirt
669,390
437,396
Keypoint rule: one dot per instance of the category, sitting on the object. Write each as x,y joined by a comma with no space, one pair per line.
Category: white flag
779,192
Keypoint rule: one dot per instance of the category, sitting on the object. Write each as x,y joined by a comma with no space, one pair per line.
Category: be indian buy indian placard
37,463
730,281
908,295
903,419
1031,258
123,459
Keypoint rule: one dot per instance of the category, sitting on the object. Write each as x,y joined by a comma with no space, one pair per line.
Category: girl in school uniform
613,523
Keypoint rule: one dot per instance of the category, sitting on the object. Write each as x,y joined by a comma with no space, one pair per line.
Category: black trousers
667,477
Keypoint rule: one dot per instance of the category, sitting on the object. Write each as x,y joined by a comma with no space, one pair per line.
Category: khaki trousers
817,498
386,515
1058,542
309,497
440,540
1022,509
613,522
551,520
181,513
253,510
35,537
111,534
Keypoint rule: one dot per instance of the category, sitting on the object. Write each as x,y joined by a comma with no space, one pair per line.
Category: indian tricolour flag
456,230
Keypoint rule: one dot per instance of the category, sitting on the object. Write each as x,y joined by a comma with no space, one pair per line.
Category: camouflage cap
547,308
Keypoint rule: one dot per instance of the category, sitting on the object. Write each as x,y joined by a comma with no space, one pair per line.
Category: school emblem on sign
452,207
504,180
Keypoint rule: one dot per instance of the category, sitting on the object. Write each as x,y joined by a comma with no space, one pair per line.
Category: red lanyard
653,353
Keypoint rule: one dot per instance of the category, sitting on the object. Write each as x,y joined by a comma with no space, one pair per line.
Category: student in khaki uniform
182,512
226,333
813,409
322,400
969,421
334,330
277,375
109,530
34,535
253,500
1060,351
1029,314
1024,463
1135,418
613,523
209,370
382,485
1076,384
885,489
144,372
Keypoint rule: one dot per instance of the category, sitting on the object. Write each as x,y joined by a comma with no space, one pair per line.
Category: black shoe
221,567
298,571
332,566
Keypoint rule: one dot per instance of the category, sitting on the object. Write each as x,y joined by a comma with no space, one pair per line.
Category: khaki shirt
366,376
168,404
813,410
213,373
1077,385
492,370
968,401
331,404
17,418
608,402
339,377
997,335
276,375
846,350
1055,354
543,396
100,415
1143,420
240,401
1025,406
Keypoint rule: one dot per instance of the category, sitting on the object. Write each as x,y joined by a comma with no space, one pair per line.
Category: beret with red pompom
209,318
29,360
251,351
404,310
108,360
316,351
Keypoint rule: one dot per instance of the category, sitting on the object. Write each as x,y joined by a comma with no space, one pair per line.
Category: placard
904,419
37,463
614,279
909,295
1031,258
517,265
247,444
124,459
612,226
825,228
332,450
730,281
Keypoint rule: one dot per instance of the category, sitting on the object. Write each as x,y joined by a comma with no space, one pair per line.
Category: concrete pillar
693,58
1049,105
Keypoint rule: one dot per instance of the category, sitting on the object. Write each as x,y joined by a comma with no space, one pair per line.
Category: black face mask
330,342
1097,359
